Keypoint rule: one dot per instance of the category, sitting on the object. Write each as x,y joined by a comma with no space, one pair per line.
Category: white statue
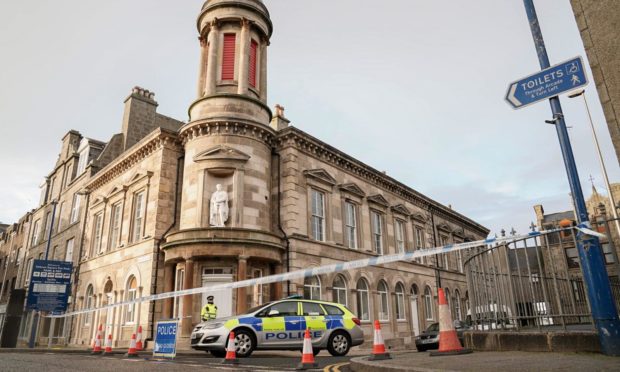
218,213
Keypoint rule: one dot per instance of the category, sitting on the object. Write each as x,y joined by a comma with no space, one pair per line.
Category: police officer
209,311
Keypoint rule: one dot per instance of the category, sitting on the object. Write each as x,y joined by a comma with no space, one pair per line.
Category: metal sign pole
603,308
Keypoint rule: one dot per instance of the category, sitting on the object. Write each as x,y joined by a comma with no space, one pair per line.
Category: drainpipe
285,237
180,164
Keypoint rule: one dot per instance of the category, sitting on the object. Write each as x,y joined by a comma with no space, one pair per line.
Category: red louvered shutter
228,58
252,74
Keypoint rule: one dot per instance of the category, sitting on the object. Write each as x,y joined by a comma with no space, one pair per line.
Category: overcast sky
412,87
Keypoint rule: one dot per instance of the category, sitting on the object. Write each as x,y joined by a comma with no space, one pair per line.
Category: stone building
598,25
563,248
237,193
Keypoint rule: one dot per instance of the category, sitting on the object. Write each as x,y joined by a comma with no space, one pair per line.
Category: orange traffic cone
97,335
132,353
449,343
378,346
108,346
139,339
307,356
97,347
231,350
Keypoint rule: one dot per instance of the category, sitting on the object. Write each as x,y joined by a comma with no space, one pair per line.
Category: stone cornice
157,140
254,131
294,137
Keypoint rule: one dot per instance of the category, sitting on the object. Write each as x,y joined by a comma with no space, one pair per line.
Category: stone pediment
418,217
321,175
378,199
222,152
353,189
444,227
400,208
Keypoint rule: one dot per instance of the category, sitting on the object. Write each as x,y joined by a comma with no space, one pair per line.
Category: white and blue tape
338,267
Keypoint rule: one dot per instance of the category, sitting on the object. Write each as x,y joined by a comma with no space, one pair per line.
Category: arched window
339,290
312,288
363,309
384,311
428,303
457,305
130,295
88,304
400,302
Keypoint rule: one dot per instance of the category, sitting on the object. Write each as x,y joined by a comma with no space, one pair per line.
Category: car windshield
433,327
256,308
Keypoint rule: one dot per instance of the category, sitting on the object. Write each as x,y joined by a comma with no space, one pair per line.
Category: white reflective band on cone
373,261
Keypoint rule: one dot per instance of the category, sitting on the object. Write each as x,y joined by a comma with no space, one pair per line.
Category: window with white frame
138,216
97,231
442,259
88,304
48,225
363,303
377,231
419,242
384,310
339,290
350,224
18,257
60,208
29,270
428,303
178,285
400,301
399,228
130,295
83,160
75,208
259,291
115,226
312,288
69,251
317,221
457,305
35,233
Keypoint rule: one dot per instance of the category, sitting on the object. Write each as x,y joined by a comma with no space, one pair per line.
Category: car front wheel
245,343
339,344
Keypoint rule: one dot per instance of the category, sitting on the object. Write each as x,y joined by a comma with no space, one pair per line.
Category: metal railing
532,283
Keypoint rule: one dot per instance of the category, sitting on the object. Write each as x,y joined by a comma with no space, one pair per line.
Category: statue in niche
218,213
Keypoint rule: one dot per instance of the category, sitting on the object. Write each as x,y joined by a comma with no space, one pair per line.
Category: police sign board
50,286
166,339
550,82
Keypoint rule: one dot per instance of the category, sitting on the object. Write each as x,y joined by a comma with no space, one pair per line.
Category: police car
280,325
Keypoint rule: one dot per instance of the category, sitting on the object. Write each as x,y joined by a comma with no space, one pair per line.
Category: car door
280,324
315,320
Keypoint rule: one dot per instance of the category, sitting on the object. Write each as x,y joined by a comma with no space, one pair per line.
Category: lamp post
600,158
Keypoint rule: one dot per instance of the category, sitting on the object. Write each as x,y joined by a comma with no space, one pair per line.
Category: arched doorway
415,320
108,298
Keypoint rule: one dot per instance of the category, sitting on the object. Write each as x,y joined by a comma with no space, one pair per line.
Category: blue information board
550,82
166,339
50,286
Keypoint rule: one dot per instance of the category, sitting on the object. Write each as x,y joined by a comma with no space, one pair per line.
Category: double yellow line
334,367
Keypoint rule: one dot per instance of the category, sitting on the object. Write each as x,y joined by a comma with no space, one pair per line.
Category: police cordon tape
334,268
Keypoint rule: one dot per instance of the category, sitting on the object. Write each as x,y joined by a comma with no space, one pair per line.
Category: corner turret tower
225,223
232,75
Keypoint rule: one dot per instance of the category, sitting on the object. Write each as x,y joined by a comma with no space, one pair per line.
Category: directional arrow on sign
550,82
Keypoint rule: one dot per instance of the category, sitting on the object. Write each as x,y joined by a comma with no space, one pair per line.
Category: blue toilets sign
550,82
50,286
166,339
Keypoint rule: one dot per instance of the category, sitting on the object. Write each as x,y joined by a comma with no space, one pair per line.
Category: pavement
489,361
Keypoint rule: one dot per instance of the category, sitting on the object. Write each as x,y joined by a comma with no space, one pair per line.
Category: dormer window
83,150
